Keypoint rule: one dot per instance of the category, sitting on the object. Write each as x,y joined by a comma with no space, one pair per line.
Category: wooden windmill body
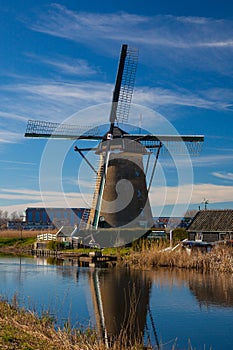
124,201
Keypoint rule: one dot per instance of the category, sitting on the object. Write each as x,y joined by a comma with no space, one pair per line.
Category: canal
171,307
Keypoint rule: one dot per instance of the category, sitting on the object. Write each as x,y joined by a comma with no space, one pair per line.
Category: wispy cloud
13,116
23,198
65,97
163,32
213,99
67,65
77,67
16,162
213,160
34,97
10,137
200,161
177,195
94,92
225,176
165,195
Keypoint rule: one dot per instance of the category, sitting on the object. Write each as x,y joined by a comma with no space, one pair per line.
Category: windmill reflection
121,303
121,300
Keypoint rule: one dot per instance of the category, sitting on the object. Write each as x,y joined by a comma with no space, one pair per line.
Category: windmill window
137,173
139,193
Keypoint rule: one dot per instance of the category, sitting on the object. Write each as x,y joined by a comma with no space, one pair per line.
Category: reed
24,330
21,233
219,259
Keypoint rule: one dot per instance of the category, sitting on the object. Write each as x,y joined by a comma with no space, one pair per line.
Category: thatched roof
212,221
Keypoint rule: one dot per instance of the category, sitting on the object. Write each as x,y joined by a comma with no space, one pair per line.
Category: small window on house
223,236
199,237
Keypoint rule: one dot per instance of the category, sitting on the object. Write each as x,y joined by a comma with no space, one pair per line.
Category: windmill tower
120,200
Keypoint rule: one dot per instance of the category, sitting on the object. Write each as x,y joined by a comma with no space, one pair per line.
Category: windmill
120,202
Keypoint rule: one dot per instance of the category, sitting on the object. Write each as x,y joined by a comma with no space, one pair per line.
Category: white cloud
62,64
78,67
13,116
163,33
34,198
214,193
93,92
64,98
213,99
13,162
200,161
161,30
212,160
225,176
159,196
10,137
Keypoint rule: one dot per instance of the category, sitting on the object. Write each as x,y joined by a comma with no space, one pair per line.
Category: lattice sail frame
38,128
127,85
171,144
178,146
181,148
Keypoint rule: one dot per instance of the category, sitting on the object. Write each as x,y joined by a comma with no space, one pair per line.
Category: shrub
179,234
55,245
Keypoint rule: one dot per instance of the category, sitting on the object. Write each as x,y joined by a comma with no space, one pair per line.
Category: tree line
5,217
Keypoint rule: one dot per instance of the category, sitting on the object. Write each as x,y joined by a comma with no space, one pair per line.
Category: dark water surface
171,307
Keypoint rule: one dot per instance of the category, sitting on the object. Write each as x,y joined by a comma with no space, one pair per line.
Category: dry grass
25,233
219,259
23,330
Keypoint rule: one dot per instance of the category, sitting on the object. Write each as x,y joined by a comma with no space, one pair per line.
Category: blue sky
58,63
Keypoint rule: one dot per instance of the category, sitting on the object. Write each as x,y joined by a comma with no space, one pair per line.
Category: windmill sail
171,144
120,200
124,85
38,128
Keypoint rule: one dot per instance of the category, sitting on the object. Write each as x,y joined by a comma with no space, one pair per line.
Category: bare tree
3,219
15,216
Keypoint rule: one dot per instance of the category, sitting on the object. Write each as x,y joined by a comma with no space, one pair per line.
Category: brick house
211,226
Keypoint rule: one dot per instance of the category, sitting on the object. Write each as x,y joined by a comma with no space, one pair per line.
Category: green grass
16,242
116,251
105,251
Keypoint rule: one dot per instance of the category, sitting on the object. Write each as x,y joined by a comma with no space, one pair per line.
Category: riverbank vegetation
220,258
17,241
20,233
24,330
142,254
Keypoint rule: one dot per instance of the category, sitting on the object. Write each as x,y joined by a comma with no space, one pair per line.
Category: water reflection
121,300
212,289
208,288
162,304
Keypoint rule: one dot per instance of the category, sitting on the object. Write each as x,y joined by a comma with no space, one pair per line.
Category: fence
46,237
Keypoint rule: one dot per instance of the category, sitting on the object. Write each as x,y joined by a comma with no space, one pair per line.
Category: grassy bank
17,241
23,330
141,255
